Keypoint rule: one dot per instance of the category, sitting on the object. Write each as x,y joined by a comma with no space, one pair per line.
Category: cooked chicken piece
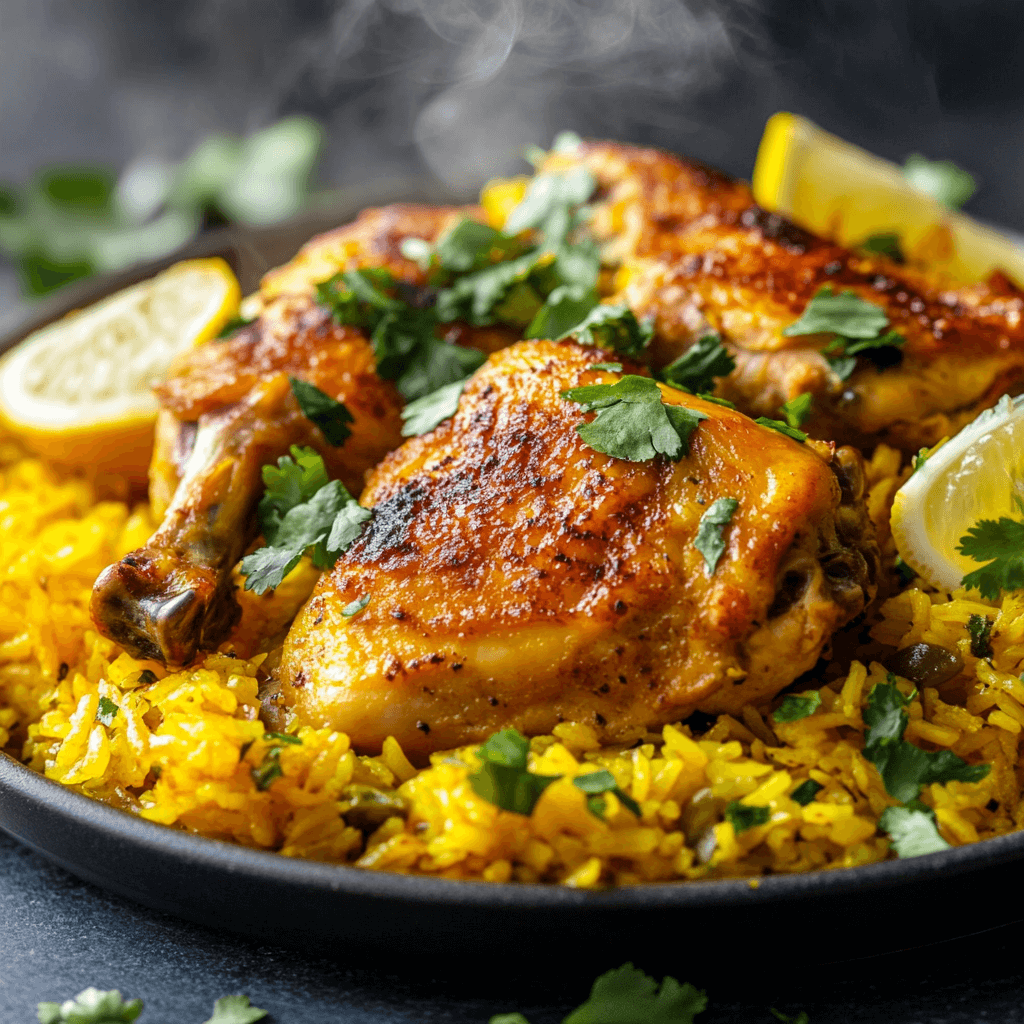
694,251
517,577
227,410
236,413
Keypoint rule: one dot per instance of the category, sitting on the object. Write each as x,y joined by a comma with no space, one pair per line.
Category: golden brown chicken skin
695,252
517,577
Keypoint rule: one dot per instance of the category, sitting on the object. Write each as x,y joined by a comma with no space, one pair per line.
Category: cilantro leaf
547,197
845,314
235,1010
980,629
356,606
1001,544
613,327
473,297
603,781
267,770
782,428
697,368
883,351
628,996
503,778
433,366
301,510
919,460
885,243
796,410
709,541
234,325
904,767
471,245
632,421
427,412
91,1006
941,179
611,367
106,711
744,816
564,313
912,830
327,413
793,708
806,792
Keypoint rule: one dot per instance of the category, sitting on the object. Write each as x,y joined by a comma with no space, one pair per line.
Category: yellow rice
182,747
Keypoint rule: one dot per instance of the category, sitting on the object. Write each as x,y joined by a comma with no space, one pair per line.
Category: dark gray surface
58,935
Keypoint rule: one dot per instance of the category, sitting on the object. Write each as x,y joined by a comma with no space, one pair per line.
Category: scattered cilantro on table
1000,543
794,707
796,410
746,816
857,324
941,179
906,768
709,540
696,369
95,1007
782,428
301,510
633,422
330,415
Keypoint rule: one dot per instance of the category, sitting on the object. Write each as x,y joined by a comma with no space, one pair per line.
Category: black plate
824,915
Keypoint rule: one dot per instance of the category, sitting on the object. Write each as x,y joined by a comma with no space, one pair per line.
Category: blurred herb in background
70,222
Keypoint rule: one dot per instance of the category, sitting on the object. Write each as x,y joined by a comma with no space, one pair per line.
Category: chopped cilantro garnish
628,996
613,327
301,510
632,421
903,571
806,792
905,768
327,413
793,708
356,606
404,338
562,314
796,410
267,770
1000,543
611,367
427,412
106,711
919,460
842,352
599,782
90,1006
885,243
709,540
845,314
234,325
471,246
980,629
282,737
744,816
548,199
782,428
941,179
503,778
912,830
696,369
235,1010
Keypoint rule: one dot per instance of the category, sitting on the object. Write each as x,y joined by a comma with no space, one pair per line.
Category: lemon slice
79,391
843,192
975,475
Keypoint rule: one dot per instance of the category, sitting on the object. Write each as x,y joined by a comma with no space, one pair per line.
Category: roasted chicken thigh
694,251
515,576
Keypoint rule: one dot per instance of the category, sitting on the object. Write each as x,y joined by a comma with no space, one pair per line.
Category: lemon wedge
975,475
841,191
79,391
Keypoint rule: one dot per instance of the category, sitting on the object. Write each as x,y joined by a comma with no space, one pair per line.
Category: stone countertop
59,935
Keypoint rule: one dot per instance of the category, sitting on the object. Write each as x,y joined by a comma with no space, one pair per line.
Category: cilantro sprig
999,543
92,1006
503,778
710,541
633,422
301,511
905,769
696,369
857,325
